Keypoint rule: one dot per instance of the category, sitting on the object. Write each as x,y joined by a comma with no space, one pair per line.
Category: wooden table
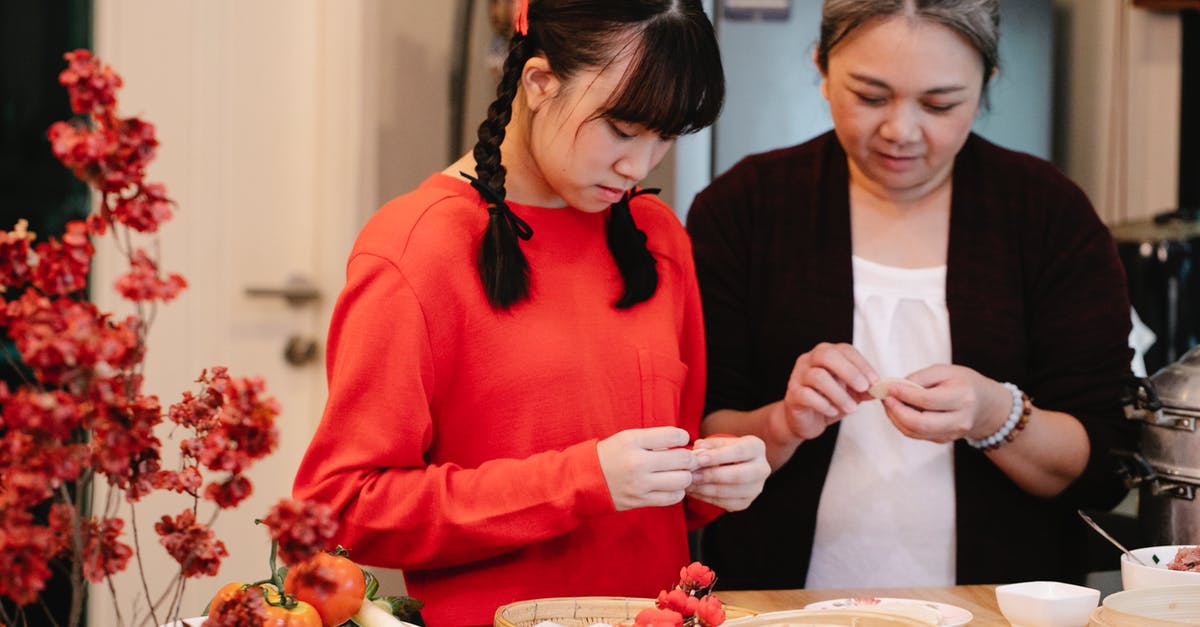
979,600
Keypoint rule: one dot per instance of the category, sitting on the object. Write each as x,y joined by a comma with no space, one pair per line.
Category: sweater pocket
662,387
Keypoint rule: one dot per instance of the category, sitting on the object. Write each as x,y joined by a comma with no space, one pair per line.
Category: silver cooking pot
1168,464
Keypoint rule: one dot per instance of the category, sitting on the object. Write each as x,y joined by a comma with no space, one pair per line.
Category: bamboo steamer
1168,606
583,611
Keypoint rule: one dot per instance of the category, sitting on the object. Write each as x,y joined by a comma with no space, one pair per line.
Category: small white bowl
1155,574
1046,603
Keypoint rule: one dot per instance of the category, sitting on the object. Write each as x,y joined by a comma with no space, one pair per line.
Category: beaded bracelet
1018,417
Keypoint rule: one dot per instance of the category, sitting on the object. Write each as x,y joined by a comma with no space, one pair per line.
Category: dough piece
884,385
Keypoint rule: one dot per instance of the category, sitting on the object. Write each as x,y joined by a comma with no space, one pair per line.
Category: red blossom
245,607
245,430
192,544
103,555
124,446
97,224
33,469
197,412
43,414
696,576
113,156
677,600
187,480
126,162
654,617
80,149
145,210
25,553
92,85
65,340
63,264
16,256
229,493
710,611
142,282
61,521
301,528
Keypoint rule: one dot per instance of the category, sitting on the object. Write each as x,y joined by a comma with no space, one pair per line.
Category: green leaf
372,584
403,607
1154,557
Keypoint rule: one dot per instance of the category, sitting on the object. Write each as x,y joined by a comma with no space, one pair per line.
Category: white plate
952,615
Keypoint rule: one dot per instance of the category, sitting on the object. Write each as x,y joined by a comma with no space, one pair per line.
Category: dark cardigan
1036,296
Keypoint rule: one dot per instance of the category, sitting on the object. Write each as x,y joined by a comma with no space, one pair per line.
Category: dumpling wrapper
884,385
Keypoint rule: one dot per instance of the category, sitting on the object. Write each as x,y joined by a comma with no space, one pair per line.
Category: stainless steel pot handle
1140,397
1141,402
1173,489
1135,468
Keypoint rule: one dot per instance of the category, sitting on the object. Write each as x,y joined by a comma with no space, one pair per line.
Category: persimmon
334,585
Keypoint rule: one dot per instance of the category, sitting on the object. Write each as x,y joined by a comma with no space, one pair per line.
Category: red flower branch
81,411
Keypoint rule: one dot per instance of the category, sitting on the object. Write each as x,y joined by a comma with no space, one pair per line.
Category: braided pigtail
502,266
627,243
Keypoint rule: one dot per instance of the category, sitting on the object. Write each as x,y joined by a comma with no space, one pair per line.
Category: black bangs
675,86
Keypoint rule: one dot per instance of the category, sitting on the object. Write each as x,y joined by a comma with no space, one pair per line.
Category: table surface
979,600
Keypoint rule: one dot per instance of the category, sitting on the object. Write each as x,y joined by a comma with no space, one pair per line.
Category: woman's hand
732,471
644,467
827,383
953,402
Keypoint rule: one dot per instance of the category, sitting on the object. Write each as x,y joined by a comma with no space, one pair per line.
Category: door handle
297,292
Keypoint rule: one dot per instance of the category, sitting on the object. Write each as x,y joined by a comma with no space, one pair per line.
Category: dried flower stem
137,551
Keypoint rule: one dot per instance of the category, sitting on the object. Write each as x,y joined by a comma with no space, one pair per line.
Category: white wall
1117,123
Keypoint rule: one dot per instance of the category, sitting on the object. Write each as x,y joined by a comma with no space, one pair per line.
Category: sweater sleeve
1079,351
367,459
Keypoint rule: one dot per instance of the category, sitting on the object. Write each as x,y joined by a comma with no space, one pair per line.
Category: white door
260,112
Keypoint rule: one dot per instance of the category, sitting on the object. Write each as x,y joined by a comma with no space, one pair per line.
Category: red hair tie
521,16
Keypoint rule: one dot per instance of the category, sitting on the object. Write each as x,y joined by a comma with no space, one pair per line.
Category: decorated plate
951,615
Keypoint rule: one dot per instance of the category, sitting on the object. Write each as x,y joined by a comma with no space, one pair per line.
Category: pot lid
1178,384
1179,225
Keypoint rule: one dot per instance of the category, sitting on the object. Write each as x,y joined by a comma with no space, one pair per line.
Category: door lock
300,351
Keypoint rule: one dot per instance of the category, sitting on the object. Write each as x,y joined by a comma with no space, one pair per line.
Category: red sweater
459,443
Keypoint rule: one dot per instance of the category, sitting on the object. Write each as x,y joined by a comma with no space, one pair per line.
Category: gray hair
977,21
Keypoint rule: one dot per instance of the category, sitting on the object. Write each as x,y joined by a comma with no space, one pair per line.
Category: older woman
900,245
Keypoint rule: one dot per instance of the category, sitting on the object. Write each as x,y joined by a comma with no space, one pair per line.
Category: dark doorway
33,184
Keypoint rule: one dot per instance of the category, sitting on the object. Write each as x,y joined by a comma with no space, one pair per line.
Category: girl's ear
538,82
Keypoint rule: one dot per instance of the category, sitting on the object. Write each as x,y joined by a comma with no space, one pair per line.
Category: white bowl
1046,603
1155,574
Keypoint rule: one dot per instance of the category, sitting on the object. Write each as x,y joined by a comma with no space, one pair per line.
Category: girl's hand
731,473
645,467
827,383
953,402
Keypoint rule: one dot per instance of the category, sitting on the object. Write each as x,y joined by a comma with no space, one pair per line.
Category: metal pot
1168,404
